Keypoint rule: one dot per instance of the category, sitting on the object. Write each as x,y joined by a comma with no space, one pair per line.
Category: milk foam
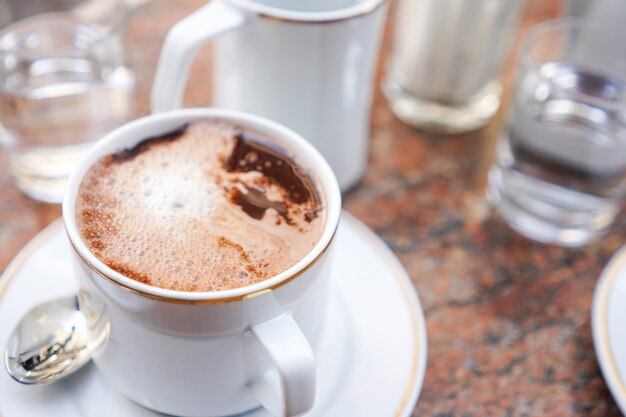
165,215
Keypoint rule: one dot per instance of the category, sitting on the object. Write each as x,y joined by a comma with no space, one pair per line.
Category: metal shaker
446,59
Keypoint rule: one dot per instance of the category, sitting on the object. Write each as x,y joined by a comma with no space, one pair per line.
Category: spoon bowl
50,342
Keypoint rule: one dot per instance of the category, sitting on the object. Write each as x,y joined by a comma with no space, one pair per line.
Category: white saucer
608,324
372,356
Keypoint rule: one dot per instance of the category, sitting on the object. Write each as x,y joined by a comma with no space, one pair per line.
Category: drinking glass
63,85
560,168
447,56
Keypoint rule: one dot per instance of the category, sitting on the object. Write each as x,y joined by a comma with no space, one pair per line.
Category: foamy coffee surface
208,207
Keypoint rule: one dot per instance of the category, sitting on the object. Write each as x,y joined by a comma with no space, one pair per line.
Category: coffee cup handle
180,47
288,388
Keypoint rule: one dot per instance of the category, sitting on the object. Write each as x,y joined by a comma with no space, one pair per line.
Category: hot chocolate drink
207,207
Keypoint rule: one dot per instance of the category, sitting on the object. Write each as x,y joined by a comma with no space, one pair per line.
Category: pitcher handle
180,47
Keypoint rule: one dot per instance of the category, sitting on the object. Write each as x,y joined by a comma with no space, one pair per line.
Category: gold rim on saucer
600,306
416,375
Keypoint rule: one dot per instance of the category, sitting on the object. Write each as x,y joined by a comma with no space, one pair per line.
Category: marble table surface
508,318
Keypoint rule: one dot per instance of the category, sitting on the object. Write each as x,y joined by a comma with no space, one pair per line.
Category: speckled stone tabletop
508,319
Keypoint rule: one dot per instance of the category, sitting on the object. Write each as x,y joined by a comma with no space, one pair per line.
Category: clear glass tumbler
63,85
560,168
443,73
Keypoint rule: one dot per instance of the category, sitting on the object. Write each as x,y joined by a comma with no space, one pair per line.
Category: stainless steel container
446,59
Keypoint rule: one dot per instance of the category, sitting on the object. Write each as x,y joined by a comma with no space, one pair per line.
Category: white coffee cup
307,64
208,353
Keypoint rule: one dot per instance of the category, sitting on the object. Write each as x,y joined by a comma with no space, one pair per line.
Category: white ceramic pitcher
308,65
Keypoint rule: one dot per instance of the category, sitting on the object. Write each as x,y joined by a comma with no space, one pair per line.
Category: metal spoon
49,343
